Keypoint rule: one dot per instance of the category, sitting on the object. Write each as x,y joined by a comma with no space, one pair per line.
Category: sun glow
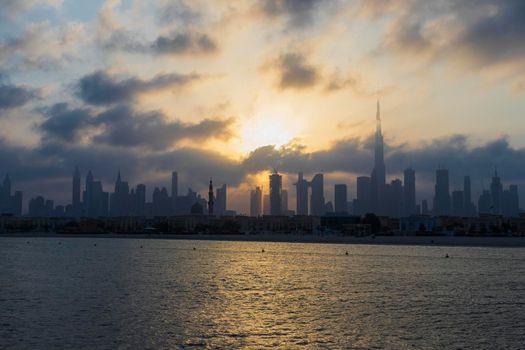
267,128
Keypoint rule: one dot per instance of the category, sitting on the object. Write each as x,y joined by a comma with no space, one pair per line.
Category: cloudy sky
230,89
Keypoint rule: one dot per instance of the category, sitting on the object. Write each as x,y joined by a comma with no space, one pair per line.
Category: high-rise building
210,199
340,199
119,199
221,200
75,196
301,187
424,207
394,199
409,192
510,202
140,200
317,201
174,191
266,204
256,202
485,203
442,193
378,178
10,204
496,190
276,185
284,202
458,203
363,200
470,208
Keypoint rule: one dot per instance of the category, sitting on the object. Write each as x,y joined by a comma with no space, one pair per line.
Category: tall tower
75,197
317,203
409,192
442,193
210,199
276,187
496,190
378,178
301,187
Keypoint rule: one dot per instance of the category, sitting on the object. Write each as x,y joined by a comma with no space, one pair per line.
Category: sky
232,89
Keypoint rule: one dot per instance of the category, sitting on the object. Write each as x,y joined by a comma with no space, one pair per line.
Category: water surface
133,293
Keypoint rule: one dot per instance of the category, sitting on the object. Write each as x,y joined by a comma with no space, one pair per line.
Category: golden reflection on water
231,295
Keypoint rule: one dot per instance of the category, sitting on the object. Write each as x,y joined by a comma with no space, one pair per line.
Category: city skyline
148,88
373,194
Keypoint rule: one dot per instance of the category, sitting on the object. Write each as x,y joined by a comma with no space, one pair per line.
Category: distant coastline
462,241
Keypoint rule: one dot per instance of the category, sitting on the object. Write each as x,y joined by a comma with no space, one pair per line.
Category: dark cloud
299,13
178,12
473,33
295,72
100,88
127,128
13,96
184,42
122,126
64,123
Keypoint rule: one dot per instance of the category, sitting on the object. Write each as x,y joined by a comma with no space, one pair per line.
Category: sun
267,128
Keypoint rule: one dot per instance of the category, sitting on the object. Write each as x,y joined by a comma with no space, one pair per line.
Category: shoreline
496,242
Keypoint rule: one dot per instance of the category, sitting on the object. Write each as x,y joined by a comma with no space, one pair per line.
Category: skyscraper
409,192
140,200
469,208
458,203
174,191
378,178
221,200
284,202
340,199
256,202
317,201
496,190
485,203
442,193
363,201
75,196
266,204
301,187
210,199
276,185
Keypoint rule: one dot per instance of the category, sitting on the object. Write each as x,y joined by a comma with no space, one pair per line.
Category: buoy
262,251
95,244
346,253
194,248
446,256
140,247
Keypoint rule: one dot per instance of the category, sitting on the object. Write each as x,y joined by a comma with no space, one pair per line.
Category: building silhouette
10,204
276,184
363,203
496,192
256,202
76,204
301,188
378,177
409,192
317,200
340,199
442,194
211,200
221,200
458,203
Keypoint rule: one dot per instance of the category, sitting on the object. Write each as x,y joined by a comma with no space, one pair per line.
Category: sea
126,293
